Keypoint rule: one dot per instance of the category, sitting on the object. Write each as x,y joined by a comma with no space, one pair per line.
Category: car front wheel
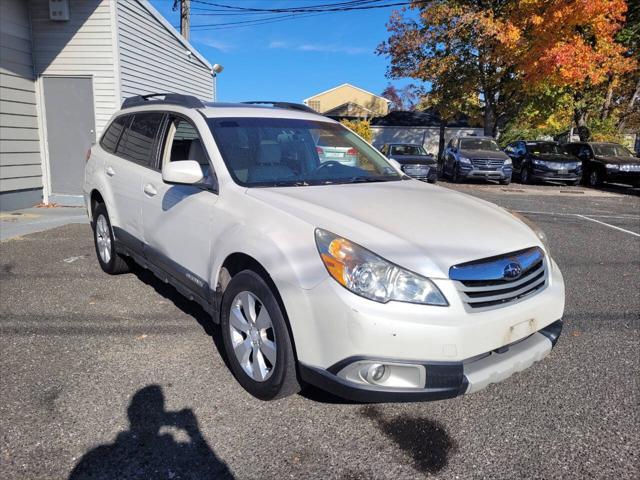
525,176
256,338
595,178
455,177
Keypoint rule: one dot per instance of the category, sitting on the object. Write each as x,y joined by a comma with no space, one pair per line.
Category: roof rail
188,101
287,105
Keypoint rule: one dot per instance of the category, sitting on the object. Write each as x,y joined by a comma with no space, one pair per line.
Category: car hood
490,154
555,157
424,228
619,160
415,159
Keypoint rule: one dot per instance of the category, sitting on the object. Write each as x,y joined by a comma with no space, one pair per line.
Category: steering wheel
327,164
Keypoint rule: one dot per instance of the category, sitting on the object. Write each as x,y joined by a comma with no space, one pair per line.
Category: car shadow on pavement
425,441
145,451
187,306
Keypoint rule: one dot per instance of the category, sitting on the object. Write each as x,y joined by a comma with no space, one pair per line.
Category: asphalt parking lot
120,377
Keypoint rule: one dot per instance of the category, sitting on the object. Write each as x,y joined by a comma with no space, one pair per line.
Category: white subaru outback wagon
352,277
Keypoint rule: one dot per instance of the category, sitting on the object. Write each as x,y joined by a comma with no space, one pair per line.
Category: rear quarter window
109,141
139,141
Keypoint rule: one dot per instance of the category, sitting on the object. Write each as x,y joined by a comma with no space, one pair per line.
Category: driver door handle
150,190
110,171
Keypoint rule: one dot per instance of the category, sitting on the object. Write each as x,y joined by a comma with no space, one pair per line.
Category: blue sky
294,59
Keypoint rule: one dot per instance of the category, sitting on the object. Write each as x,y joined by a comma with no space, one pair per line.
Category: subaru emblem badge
512,271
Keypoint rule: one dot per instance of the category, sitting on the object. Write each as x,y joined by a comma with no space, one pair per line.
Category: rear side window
111,136
139,141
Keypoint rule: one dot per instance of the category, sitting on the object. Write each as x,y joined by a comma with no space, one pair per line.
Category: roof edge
158,16
346,85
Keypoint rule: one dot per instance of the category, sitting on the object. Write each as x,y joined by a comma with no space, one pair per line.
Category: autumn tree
505,53
405,98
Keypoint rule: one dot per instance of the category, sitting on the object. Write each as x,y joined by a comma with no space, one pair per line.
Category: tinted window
611,150
407,150
479,144
546,147
138,142
111,136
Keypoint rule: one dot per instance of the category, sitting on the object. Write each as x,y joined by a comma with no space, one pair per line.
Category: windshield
479,144
407,150
264,152
546,147
611,150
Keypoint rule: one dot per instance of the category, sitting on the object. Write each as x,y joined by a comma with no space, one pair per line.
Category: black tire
595,178
525,176
455,176
506,181
282,380
115,264
575,183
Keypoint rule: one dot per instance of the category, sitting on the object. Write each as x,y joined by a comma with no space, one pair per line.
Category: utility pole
185,11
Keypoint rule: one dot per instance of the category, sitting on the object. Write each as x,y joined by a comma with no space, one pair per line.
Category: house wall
81,46
153,60
426,136
347,93
20,159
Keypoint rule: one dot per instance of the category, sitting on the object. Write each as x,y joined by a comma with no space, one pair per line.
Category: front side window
611,150
479,144
184,143
407,150
261,152
138,141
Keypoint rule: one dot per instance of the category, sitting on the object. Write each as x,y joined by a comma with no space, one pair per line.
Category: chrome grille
483,284
486,163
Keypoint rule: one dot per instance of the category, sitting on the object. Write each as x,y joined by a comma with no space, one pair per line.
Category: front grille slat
480,291
486,162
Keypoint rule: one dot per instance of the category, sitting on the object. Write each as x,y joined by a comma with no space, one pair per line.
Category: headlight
536,229
612,166
368,275
508,161
464,160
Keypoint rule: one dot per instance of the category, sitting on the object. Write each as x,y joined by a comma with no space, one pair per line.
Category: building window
315,104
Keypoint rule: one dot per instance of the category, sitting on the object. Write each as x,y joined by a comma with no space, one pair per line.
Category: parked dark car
544,161
476,157
606,162
413,159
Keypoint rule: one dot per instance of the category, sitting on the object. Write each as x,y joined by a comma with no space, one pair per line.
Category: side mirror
183,172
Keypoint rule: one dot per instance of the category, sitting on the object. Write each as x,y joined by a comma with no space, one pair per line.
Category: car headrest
270,153
196,152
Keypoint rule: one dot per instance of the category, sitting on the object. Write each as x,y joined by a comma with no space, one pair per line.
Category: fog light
376,372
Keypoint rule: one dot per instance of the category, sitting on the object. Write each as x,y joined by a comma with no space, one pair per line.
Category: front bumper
442,380
617,176
488,173
555,175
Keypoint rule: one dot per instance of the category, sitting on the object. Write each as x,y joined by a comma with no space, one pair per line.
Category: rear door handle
150,190
110,171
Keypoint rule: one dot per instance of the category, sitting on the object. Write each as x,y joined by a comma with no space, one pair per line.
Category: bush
359,127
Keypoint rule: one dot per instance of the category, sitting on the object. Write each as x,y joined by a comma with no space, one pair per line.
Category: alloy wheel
103,239
252,336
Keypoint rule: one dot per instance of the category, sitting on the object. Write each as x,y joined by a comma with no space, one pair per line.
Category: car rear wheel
256,338
110,261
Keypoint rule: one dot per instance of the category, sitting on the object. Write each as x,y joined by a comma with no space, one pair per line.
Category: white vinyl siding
82,46
20,160
153,60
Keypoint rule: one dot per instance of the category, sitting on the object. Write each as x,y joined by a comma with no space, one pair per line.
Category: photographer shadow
145,451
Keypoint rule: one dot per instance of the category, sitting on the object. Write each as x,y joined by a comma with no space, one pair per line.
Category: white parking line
630,217
608,225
